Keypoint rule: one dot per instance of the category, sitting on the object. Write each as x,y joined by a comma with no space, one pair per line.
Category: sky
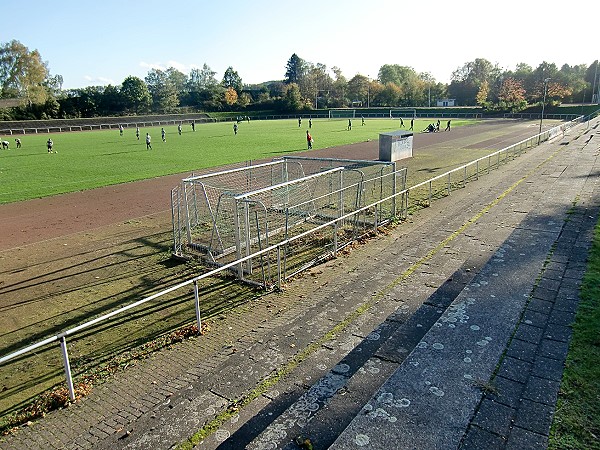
100,42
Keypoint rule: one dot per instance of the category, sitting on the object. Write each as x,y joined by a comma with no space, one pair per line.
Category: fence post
375,221
335,238
63,347
197,305
278,267
430,192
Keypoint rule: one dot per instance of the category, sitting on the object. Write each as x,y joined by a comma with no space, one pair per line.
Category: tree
179,81
483,93
163,91
338,97
231,96
467,80
231,79
358,89
294,70
315,81
136,97
410,83
203,88
22,73
512,94
292,100
388,96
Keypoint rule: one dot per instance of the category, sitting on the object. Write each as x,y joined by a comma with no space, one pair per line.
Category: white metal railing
404,194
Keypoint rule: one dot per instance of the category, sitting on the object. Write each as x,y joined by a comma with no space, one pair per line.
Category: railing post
197,305
430,192
335,238
278,267
63,347
376,219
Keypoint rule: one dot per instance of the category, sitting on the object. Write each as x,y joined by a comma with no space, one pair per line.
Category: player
349,124
18,141
137,133
148,142
448,125
235,128
120,130
50,144
163,135
179,129
309,140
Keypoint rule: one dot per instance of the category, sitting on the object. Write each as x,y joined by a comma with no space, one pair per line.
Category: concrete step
326,408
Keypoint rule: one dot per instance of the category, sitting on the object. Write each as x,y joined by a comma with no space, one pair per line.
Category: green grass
577,420
86,160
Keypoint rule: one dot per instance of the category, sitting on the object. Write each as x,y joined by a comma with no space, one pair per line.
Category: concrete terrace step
324,410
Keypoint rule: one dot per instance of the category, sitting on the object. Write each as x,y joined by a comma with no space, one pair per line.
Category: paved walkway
448,332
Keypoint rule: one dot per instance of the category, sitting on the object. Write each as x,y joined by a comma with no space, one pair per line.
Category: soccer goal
223,216
342,113
397,113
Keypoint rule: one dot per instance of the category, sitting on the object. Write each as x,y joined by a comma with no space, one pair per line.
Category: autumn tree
389,95
512,95
22,73
231,96
483,93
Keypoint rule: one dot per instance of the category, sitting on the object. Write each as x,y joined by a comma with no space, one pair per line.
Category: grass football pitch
90,159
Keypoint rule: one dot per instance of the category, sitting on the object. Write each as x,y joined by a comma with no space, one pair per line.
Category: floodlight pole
543,105
594,94
368,91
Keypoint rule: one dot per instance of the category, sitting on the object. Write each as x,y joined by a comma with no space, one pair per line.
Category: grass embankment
577,420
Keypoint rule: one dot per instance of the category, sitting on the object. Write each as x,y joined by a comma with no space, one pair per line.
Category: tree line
29,91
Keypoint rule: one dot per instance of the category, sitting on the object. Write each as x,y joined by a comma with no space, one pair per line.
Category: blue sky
103,41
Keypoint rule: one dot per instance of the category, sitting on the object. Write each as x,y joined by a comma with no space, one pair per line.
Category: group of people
6,144
163,134
435,127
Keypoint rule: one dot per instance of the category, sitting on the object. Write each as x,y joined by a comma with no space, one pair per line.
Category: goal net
342,113
224,216
405,113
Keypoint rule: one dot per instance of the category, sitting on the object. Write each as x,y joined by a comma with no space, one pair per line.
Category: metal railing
493,161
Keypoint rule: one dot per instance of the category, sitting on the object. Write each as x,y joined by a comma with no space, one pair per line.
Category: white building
446,102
